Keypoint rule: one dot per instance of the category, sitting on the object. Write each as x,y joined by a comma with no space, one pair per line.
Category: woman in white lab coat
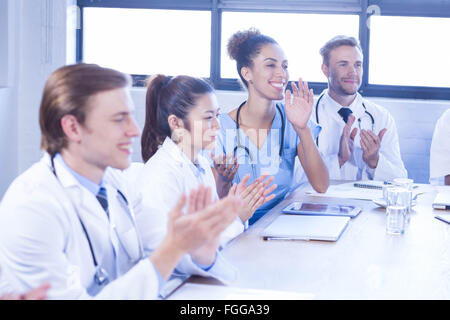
181,123
54,228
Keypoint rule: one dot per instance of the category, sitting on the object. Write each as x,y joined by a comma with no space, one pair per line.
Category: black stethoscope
359,119
101,277
246,149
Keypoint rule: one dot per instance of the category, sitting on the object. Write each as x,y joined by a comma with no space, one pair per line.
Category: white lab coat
440,150
167,175
390,164
41,237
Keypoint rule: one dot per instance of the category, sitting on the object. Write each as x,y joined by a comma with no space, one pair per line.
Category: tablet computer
321,209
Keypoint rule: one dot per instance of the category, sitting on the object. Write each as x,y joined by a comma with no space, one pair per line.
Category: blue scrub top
267,158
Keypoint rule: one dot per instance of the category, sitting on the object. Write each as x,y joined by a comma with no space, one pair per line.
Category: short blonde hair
336,42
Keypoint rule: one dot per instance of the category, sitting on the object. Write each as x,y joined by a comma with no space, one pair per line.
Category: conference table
365,262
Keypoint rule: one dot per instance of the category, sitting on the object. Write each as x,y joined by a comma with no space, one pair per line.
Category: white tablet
321,209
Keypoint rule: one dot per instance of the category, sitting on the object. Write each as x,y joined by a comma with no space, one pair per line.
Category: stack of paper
289,227
365,190
442,201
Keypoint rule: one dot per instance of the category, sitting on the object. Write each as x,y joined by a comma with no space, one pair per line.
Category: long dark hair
167,96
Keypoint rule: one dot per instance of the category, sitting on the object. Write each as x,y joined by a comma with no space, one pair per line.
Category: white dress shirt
440,150
168,174
390,164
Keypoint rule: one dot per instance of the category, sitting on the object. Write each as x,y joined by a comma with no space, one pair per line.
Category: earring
177,135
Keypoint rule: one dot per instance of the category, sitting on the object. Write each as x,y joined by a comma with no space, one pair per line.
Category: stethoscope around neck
247,150
101,277
359,119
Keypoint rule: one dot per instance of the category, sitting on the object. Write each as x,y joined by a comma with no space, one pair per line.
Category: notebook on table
299,227
442,200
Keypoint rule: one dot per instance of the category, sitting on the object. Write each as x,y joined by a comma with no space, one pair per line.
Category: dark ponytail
166,96
152,137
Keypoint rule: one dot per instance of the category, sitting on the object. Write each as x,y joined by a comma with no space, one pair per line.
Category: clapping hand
371,143
226,167
39,293
253,195
198,231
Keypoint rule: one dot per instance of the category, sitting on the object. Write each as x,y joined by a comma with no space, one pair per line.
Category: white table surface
365,263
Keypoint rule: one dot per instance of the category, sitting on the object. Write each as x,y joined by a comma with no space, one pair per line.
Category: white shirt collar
356,106
85,182
180,157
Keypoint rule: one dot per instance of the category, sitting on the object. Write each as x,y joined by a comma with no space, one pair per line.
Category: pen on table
372,186
442,219
367,186
270,238
414,186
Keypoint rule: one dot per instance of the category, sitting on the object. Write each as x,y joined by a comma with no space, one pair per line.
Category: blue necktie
102,198
345,113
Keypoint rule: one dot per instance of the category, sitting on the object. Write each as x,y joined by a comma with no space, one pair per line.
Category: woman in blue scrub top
263,134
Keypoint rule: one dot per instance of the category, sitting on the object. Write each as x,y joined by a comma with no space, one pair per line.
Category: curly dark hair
243,46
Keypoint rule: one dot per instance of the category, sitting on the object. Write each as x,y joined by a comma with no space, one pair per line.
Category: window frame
420,8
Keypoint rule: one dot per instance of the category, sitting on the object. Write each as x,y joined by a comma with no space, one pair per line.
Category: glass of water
404,182
395,219
400,196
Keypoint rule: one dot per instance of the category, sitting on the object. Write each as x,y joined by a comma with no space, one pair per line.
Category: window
146,41
144,37
292,32
409,51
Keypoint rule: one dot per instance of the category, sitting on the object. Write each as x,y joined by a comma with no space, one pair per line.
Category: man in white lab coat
359,139
70,219
440,151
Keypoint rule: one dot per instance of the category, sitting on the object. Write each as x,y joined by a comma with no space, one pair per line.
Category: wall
4,43
8,109
42,50
415,120
38,36
8,137
32,45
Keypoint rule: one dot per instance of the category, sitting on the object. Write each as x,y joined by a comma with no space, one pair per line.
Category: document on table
297,227
194,291
442,200
367,190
